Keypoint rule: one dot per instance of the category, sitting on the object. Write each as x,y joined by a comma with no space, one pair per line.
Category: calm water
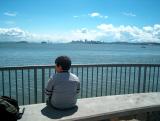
18,54
101,82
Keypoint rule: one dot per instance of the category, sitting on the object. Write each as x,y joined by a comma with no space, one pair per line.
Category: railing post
115,82
153,79
144,79
3,82
125,80
97,83
92,83
29,86
35,85
106,81
16,85
111,81
82,83
149,78
102,81
157,80
134,79
139,79
43,82
120,80
129,79
87,84
9,71
22,88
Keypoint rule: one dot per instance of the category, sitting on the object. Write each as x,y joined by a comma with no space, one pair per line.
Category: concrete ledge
97,108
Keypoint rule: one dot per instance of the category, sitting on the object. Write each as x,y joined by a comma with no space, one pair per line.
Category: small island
43,42
23,42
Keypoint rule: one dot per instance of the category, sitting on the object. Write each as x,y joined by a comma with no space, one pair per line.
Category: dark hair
64,62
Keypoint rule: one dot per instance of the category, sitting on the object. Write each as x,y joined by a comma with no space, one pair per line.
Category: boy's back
65,87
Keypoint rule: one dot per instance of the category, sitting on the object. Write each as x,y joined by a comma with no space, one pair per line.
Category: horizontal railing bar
78,65
26,67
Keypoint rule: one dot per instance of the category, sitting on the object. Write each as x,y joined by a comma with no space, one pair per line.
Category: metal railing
27,83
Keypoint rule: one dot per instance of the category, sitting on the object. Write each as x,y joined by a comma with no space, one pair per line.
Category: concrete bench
97,108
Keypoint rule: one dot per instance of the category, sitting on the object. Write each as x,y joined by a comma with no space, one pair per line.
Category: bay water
23,54
95,81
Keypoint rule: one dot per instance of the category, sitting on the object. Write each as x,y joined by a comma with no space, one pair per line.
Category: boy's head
63,63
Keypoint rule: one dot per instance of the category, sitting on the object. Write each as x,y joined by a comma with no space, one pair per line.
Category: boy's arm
49,88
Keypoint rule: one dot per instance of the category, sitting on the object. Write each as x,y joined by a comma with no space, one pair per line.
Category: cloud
105,17
84,33
13,34
148,28
17,34
75,16
12,14
95,14
92,15
106,27
103,32
130,33
129,14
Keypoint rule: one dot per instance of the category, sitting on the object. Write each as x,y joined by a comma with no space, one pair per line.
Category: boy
63,87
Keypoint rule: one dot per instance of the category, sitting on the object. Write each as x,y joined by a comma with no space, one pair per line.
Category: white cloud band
103,32
12,14
129,14
95,14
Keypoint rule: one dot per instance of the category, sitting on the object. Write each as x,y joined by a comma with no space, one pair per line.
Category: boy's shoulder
74,76
59,75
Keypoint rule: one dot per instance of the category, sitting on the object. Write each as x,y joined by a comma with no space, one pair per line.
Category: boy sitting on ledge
63,87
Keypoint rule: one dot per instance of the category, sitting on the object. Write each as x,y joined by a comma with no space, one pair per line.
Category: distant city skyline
67,20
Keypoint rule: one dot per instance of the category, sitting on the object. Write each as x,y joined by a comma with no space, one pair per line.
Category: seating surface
96,108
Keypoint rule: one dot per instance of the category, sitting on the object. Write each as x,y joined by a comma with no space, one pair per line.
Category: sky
67,20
